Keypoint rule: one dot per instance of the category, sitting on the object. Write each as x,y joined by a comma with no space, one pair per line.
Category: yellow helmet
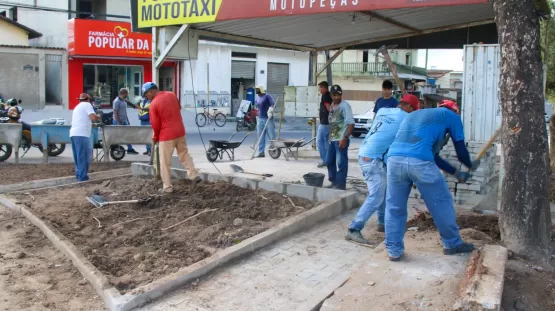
261,88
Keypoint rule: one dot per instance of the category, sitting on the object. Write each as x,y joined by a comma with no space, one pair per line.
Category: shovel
238,169
99,201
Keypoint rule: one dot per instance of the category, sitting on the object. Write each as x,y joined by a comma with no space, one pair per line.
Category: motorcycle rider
14,113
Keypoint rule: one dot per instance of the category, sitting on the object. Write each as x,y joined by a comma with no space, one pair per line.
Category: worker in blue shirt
144,117
372,158
386,101
414,158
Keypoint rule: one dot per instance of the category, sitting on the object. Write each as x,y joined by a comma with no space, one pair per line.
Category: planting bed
487,224
132,248
19,173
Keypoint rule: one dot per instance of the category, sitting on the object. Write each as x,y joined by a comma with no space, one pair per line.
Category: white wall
218,55
12,35
118,7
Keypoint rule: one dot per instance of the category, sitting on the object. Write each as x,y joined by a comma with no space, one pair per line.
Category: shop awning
312,25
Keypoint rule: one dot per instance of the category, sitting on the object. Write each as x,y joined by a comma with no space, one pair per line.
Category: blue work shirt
385,103
382,133
422,133
263,103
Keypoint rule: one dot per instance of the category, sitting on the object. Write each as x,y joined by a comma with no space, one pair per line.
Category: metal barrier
49,134
10,134
120,135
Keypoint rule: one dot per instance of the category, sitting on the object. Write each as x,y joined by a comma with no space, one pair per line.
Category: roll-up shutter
278,78
242,69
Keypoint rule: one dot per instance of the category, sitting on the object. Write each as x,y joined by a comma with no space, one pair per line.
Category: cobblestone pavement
282,276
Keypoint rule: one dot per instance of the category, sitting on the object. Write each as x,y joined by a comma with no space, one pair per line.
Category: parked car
363,122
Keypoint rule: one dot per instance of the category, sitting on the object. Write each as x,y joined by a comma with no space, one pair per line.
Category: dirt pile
480,224
131,243
20,173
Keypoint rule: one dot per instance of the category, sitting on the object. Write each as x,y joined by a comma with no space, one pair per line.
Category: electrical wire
195,97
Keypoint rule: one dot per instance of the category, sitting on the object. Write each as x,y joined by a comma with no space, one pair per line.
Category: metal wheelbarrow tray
219,147
291,148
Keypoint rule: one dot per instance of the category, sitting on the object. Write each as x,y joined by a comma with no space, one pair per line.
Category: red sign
89,37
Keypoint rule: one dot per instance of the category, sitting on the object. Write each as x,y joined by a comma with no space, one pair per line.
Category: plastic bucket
314,179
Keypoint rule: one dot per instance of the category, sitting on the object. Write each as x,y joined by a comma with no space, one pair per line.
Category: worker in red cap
449,104
413,158
372,158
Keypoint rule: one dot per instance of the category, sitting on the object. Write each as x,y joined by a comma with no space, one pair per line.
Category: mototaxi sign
151,13
106,38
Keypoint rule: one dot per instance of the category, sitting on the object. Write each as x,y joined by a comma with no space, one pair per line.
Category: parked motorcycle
246,118
53,149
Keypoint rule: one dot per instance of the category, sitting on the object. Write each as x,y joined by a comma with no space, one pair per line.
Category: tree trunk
552,143
525,219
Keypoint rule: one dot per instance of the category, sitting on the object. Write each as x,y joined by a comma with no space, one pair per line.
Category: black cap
336,89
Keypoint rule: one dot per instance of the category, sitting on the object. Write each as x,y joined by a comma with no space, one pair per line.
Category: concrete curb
44,183
482,285
98,281
334,202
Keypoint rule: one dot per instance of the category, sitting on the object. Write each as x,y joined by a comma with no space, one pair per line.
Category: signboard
106,38
150,13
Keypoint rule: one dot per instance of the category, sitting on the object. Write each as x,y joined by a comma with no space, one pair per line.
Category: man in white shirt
80,132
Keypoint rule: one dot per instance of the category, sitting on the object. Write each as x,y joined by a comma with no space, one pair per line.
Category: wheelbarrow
219,147
291,148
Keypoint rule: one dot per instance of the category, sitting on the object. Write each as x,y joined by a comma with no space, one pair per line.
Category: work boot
166,190
146,153
460,249
356,236
197,180
341,187
397,258
260,155
132,151
380,228
321,164
332,186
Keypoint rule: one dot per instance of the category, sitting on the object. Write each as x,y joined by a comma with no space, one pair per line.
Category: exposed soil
139,251
528,287
487,224
19,173
34,276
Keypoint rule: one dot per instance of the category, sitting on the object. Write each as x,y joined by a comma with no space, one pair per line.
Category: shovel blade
236,168
96,200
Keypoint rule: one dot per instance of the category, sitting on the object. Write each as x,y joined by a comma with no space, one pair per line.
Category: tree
547,28
525,219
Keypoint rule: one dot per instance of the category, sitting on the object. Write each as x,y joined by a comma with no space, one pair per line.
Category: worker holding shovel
413,158
372,158
265,125
168,128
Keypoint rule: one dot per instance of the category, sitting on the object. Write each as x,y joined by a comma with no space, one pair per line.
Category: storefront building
105,56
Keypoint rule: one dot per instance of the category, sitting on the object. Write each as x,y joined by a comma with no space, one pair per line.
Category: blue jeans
82,156
129,147
402,172
270,132
338,164
146,123
322,141
375,175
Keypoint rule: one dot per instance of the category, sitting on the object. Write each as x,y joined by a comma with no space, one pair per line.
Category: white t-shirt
81,123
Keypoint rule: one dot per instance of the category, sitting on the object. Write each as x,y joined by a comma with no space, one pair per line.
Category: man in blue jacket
414,158
372,158
144,117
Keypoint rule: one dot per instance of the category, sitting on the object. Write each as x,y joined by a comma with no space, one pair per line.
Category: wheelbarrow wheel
212,154
274,152
117,153
56,150
5,152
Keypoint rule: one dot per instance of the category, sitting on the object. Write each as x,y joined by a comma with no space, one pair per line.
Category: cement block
271,186
245,182
215,177
300,191
141,169
482,284
323,194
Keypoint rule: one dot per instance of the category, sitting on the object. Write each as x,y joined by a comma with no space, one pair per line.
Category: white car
363,122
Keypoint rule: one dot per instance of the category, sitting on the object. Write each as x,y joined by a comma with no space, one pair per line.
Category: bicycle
216,117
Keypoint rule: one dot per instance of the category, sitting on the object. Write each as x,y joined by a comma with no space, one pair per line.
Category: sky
441,59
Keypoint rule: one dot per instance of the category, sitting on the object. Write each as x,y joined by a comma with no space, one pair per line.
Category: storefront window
105,81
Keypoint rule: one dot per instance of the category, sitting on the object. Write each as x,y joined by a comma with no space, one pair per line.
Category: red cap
84,96
449,104
411,100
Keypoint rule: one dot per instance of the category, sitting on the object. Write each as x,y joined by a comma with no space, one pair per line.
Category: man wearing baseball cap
413,159
372,158
80,132
341,126
168,129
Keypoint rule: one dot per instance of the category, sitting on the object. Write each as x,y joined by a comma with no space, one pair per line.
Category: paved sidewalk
279,277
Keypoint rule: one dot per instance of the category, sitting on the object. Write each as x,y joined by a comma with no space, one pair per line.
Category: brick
300,191
304,275
271,186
